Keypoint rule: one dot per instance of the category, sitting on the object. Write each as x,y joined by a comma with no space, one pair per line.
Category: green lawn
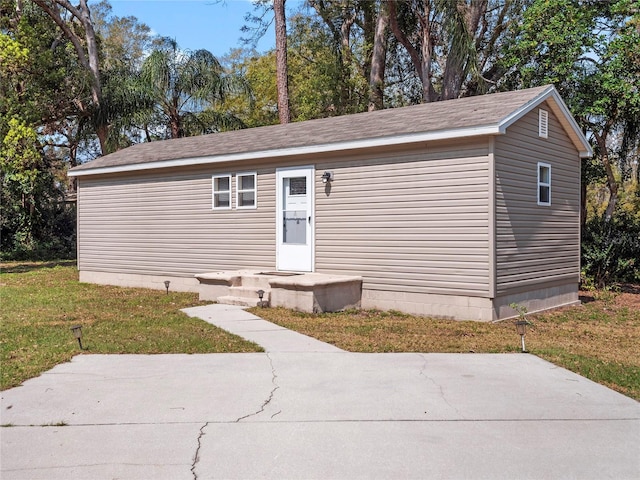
40,302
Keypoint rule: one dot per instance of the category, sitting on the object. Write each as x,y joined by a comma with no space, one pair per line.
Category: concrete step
241,301
250,292
257,282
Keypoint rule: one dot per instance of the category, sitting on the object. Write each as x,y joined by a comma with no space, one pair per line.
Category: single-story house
454,209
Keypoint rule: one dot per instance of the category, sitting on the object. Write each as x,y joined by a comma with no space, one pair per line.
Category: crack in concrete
439,387
202,433
196,457
274,382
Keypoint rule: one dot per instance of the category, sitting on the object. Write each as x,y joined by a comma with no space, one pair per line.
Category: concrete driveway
304,409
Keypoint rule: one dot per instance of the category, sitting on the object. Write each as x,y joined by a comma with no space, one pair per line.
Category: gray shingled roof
480,111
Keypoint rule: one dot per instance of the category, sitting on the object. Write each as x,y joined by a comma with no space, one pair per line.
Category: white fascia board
550,92
284,152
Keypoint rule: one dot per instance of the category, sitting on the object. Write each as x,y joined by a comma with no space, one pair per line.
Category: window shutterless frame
544,184
246,190
221,188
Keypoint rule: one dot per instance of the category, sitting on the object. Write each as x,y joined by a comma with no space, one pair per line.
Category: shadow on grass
586,299
630,288
23,267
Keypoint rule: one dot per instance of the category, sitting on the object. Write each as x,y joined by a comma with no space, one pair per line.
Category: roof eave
296,151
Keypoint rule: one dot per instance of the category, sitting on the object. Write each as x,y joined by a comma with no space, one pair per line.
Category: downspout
492,221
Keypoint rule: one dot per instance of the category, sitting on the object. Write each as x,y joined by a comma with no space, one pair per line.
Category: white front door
294,219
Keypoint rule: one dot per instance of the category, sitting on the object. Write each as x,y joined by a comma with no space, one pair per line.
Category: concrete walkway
271,337
292,413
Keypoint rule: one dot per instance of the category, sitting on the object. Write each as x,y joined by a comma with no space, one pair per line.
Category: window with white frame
246,190
544,184
221,192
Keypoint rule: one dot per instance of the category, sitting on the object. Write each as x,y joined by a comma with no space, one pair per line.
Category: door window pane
294,227
298,186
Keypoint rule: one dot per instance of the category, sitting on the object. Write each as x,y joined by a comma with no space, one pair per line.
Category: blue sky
195,24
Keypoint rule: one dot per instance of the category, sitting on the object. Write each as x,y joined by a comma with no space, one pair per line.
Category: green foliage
521,309
19,156
611,250
320,86
259,71
186,88
12,54
548,44
34,222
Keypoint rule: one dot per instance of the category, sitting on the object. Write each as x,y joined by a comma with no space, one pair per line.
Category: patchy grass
598,339
41,301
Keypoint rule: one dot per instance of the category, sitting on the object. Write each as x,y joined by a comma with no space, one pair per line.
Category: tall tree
282,70
30,197
591,52
184,87
352,27
379,59
454,45
260,24
86,48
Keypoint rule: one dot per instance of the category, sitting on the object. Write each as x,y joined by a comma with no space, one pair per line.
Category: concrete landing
307,292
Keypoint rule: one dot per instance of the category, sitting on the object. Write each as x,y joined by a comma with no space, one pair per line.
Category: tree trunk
348,18
462,45
612,183
378,61
175,122
281,61
422,58
339,16
583,204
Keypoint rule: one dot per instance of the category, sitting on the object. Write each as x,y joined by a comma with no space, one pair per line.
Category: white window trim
254,190
543,123
214,191
544,184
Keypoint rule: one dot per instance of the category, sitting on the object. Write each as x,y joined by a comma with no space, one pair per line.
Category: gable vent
543,123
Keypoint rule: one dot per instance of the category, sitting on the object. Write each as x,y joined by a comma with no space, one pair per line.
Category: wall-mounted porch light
327,177
77,332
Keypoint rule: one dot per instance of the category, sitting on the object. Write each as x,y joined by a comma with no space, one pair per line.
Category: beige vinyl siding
163,223
413,222
536,246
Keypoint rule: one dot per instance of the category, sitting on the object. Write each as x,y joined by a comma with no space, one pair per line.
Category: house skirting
454,307
537,300
133,280
313,293
461,307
